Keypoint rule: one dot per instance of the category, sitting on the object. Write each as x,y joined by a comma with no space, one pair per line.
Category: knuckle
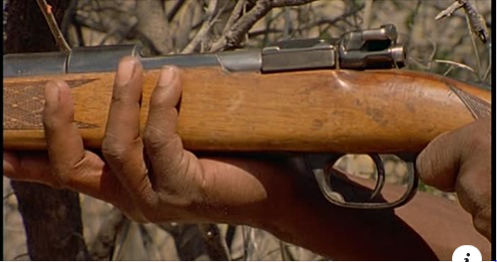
112,149
57,118
118,97
154,137
49,119
157,140
156,101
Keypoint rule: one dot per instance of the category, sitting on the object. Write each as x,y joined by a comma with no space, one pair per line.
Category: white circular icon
467,253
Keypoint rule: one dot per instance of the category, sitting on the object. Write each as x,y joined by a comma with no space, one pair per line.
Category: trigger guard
323,181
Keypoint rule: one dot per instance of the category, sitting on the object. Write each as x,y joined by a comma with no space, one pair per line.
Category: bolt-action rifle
321,97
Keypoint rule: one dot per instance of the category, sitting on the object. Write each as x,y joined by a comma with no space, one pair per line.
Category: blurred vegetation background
446,46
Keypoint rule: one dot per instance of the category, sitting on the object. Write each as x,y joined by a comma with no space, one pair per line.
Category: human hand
149,176
460,161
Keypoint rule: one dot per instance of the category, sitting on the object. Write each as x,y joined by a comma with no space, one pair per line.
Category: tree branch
283,3
152,23
235,34
46,10
51,218
476,20
175,10
449,11
237,12
204,30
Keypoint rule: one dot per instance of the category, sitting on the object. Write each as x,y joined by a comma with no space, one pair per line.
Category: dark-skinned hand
459,162
152,178
149,176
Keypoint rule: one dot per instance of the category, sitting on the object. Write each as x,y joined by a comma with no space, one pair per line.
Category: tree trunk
52,218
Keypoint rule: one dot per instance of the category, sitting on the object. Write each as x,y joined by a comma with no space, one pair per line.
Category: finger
164,147
439,163
28,167
64,143
69,163
122,147
35,167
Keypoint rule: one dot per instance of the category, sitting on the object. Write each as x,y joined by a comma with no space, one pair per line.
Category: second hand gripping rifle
323,98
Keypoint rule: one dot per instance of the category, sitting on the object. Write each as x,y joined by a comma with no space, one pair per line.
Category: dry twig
185,25
206,27
449,11
476,20
46,9
175,10
460,65
368,11
234,35
475,48
237,12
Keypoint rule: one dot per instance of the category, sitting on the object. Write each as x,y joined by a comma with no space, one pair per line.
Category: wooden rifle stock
382,111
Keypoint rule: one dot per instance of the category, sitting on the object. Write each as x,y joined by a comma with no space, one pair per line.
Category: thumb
439,163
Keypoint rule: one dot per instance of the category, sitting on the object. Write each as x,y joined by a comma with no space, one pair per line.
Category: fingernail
51,94
125,71
167,75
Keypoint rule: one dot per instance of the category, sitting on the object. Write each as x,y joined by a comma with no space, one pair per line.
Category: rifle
321,97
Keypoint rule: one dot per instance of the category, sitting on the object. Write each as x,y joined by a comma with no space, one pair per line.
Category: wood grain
310,111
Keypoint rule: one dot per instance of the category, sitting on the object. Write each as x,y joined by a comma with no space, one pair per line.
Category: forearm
285,203
428,228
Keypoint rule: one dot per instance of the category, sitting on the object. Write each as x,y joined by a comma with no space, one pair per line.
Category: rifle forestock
383,111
